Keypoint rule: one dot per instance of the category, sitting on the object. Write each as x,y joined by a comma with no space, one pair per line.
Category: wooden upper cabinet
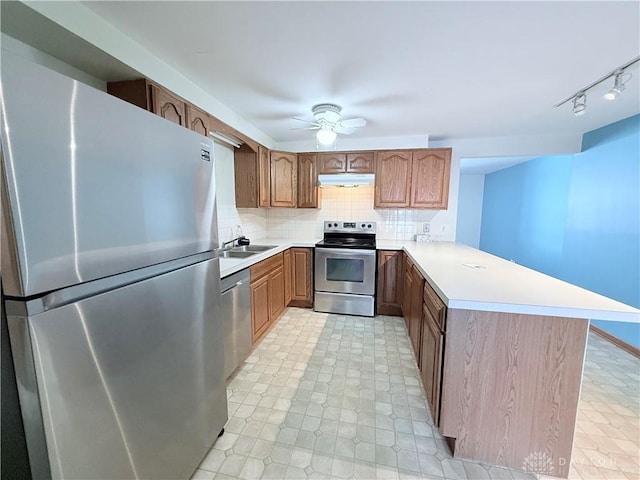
431,169
168,106
332,163
284,179
393,174
264,175
307,181
362,162
198,120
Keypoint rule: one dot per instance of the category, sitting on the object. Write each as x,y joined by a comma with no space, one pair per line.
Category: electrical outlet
426,227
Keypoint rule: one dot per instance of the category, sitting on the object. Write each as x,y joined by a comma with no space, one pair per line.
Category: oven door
345,270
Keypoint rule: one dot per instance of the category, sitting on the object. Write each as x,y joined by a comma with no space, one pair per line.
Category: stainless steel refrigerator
111,281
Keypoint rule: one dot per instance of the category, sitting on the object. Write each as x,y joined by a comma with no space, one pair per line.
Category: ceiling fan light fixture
329,112
326,136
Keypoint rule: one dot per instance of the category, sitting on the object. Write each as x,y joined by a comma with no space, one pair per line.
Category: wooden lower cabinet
390,280
288,276
267,294
301,277
406,290
260,306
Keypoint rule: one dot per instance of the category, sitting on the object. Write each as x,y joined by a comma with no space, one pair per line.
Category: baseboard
616,341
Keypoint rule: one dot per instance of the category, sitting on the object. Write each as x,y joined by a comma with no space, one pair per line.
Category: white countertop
470,279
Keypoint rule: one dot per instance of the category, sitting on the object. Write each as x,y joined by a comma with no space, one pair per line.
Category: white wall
471,193
11,45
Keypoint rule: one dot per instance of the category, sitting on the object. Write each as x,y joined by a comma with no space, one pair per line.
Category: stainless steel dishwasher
236,318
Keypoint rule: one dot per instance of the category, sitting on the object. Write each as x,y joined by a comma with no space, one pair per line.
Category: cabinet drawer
262,268
435,306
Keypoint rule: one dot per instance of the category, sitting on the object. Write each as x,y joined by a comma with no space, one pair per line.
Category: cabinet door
246,177
288,277
415,322
431,169
284,179
431,362
332,162
260,306
168,106
198,120
264,177
307,181
390,279
360,162
393,175
302,268
276,293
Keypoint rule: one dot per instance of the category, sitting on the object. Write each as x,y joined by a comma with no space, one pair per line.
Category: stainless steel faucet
224,245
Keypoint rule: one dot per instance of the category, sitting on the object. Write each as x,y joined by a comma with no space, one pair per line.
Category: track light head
618,87
579,104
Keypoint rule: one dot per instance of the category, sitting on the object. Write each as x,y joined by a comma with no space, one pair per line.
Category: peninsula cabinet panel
406,290
361,162
168,106
332,163
393,175
307,181
198,120
390,280
302,275
431,169
415,312
511,384
431,362
284,179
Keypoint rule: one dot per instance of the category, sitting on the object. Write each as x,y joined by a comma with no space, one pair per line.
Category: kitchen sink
235,254
253,248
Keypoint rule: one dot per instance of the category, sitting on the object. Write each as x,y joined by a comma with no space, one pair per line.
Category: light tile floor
335,396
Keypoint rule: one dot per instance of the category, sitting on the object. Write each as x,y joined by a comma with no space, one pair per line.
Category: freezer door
130,382
94,186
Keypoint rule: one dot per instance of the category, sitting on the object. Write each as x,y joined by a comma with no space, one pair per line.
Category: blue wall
575,217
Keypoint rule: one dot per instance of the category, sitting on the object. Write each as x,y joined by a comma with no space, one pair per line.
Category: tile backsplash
337,204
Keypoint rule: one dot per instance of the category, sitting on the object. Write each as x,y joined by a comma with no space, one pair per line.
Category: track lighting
580,97
618,86
579,104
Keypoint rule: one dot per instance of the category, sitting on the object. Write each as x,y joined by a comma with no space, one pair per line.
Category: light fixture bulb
326,136
579,104
618,87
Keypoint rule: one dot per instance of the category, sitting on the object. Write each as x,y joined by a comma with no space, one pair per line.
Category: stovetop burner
360,235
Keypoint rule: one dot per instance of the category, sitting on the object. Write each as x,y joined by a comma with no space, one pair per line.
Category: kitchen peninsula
508,373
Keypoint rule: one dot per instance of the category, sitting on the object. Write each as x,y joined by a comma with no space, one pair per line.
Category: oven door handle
347,252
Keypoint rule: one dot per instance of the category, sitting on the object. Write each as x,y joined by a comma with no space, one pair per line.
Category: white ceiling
443,69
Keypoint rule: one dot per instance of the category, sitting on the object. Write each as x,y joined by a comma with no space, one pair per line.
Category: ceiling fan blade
305,121
307,128
353,122
344,130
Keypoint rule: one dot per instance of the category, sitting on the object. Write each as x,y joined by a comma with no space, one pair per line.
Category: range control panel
349,227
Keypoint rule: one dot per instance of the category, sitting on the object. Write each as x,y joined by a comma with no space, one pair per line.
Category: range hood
346,179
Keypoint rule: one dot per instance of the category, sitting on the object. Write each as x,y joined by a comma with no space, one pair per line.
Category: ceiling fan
328,122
